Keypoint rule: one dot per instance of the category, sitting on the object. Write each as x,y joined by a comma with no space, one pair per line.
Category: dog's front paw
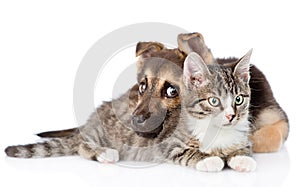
242,163
109,156
210,164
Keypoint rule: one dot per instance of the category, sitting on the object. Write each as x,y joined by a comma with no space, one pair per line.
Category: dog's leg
270,138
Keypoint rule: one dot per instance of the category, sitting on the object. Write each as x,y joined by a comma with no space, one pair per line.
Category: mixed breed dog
187,108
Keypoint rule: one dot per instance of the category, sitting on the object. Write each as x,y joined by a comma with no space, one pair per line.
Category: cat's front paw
109,156
242,163
210,164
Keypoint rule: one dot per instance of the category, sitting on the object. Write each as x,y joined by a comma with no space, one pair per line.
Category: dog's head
159,79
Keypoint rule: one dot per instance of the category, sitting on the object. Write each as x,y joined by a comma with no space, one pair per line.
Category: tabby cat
217,105
269,122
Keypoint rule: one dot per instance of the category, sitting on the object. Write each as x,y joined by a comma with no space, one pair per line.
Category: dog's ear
144,49
194,42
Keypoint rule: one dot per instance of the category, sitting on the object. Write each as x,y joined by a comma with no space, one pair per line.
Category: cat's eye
214,101
239,100
142,87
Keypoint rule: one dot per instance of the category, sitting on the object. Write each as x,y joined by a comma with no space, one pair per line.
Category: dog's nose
138,119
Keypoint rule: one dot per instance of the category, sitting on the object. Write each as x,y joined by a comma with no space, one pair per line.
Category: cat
217,102
269,122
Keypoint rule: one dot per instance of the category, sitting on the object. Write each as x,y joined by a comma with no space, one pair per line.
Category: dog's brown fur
153,104
270,137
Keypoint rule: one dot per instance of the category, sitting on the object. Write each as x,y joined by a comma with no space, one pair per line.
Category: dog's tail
55,147
58,133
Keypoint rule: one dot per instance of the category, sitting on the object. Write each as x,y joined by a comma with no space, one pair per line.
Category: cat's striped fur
217,102
269,122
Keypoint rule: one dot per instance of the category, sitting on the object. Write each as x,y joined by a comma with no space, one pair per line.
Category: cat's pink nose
230,117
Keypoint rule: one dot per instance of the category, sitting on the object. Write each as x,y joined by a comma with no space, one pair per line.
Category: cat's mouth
221,122
227,125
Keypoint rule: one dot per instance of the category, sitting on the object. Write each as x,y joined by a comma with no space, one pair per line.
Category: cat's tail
55,147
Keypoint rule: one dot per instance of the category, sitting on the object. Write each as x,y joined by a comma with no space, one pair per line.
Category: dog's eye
171,92
142,87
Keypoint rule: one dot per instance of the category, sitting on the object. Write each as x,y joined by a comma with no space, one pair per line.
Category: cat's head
159,80
219,92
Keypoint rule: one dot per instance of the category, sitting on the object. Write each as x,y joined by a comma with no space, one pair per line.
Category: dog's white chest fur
212,136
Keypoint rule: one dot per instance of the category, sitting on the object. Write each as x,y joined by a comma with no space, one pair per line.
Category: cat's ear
195,71
194,42
242,68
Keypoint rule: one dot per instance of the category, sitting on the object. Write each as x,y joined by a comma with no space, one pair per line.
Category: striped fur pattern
269,122
217,102
65,146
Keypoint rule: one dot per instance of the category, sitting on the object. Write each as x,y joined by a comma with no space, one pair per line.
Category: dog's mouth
151,134
149,128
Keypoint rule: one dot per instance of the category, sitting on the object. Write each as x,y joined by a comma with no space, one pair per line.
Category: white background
42,44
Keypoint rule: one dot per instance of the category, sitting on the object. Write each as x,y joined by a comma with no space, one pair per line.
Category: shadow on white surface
272,169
